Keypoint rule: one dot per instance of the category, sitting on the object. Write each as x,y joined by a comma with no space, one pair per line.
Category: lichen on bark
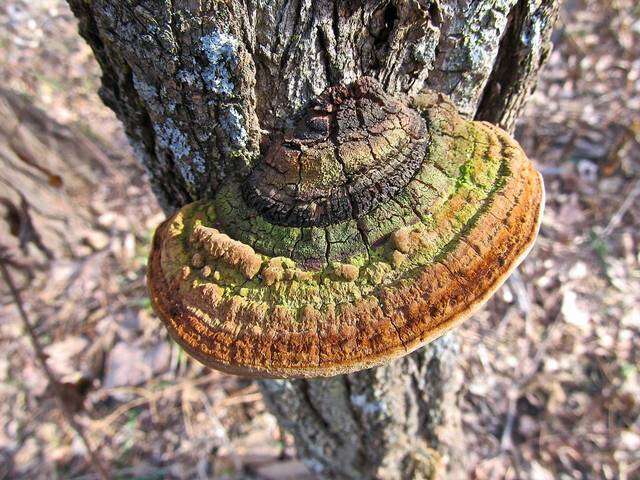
199,85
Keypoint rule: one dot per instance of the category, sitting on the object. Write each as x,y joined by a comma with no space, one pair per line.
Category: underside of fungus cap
373,226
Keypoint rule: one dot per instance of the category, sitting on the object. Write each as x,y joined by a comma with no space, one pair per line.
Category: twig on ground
520,292
132,472
104,424
95,460
248,395
506,441
624,208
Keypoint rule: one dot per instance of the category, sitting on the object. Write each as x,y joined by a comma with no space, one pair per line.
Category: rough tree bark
202,85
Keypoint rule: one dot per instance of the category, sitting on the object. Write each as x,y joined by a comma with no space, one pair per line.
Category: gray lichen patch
468,50
187,76
223,76
221,51
232,123
225,72
148,93
169,137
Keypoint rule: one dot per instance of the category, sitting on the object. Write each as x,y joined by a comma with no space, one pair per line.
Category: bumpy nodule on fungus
373,226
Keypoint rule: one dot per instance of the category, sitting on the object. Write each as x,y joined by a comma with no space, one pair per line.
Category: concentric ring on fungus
371,228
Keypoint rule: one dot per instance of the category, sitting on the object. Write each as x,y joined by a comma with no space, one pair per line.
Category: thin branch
628,202
95,460
105,422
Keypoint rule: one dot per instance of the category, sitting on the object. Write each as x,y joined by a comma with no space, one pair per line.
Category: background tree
201,85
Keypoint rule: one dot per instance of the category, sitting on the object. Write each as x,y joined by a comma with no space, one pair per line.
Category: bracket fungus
370,228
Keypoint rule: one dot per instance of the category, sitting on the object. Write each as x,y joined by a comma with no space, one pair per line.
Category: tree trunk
201,85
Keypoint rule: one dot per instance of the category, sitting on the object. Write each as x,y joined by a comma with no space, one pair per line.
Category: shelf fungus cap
370,228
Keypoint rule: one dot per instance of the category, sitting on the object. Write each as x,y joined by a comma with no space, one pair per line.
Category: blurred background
551,363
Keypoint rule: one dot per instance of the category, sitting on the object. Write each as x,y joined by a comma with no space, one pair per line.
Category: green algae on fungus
370,228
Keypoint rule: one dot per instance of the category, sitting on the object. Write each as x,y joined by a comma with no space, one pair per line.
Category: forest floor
552,362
